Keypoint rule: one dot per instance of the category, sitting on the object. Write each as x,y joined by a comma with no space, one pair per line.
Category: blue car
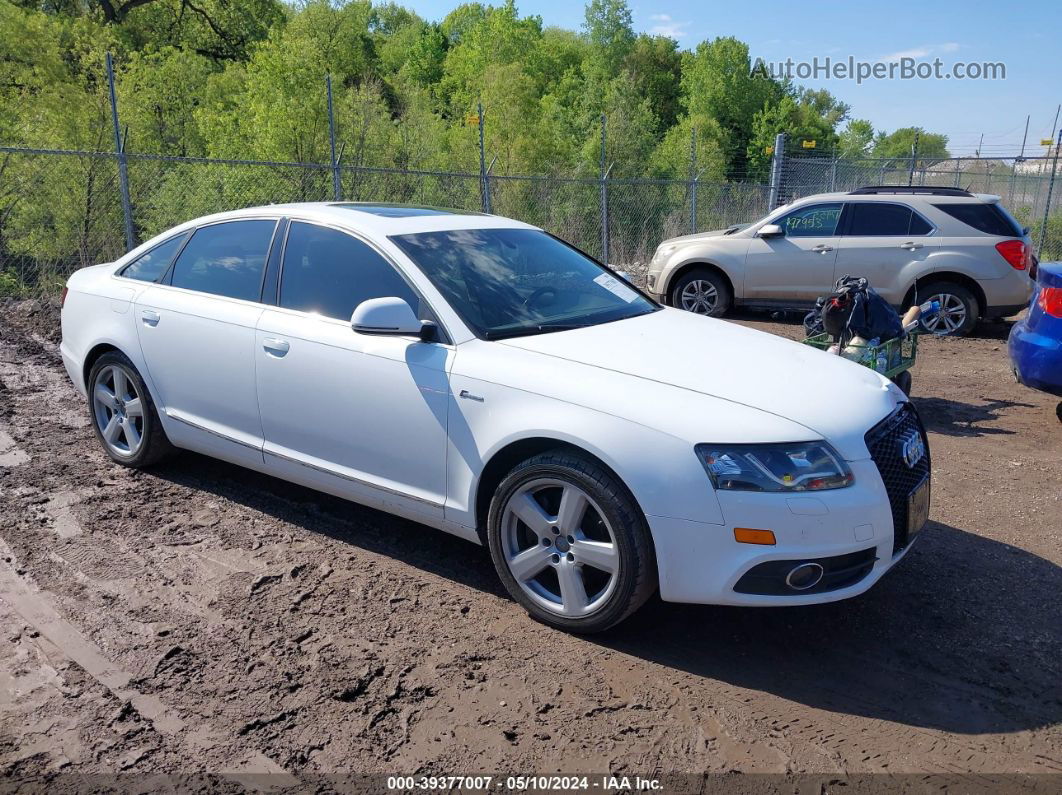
1035,343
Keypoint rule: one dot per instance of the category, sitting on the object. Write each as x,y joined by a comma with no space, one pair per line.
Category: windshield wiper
526,331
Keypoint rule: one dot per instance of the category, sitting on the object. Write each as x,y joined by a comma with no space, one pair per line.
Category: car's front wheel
958,309
701,291
569,544
123,413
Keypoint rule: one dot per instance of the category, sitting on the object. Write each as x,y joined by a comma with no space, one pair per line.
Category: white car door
358,415
797,266
196,330
886,243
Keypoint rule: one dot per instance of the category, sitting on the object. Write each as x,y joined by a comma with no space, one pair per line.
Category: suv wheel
701,291
569,544
123,413
958,309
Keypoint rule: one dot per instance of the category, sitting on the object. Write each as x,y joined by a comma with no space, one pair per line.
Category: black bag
853,309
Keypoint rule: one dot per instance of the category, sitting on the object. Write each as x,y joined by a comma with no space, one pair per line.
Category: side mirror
770,230
389,316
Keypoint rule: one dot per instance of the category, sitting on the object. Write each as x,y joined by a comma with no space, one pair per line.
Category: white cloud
924,51
666,26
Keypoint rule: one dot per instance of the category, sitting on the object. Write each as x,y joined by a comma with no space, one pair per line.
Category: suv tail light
62,298
1016,253
1050,300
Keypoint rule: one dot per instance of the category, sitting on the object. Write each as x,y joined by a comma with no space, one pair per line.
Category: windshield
512,282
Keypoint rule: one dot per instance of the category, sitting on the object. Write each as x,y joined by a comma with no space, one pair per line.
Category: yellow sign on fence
808,144
472,119
1046,141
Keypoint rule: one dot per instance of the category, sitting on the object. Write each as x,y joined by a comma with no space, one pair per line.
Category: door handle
276,347
911,246
822,248
150,317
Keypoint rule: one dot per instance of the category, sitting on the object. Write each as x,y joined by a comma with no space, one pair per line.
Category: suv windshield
513,282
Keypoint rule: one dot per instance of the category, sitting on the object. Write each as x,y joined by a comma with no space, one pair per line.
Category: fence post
833,173
484,198
1050,190
777,163
337,193
693,181
604,196
123,168
914,155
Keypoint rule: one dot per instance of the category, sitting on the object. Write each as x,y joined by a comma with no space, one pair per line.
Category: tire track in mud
290,629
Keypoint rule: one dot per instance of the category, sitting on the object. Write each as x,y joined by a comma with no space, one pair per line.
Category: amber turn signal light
747,535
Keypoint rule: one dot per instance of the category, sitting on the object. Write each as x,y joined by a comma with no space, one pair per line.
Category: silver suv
912,243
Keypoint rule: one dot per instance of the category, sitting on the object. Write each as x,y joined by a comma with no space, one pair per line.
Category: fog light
747,535
804,576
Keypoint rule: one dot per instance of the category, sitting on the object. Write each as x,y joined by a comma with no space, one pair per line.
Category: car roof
374,217
900,196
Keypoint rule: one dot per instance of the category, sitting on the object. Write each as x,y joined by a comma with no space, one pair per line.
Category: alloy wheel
119,411
699,297
559,547
951,316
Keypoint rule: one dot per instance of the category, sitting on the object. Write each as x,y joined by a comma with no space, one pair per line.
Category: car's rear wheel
123,413
958,309
569,544
703,292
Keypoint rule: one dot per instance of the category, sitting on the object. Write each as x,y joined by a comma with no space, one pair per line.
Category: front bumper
702,563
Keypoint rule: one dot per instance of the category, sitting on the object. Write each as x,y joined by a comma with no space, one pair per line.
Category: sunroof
400,210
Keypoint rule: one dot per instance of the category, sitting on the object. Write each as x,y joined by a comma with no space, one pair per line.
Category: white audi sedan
480,376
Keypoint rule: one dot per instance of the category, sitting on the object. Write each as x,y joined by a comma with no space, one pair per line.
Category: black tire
963,294
154,445
903,381
722,295
635,578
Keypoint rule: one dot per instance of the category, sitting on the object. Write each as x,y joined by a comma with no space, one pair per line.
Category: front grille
885,442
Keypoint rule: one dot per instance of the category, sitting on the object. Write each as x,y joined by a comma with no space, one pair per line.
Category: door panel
199,351
797,267
886,243
365,414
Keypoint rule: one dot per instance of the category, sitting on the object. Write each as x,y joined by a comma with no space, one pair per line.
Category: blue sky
1024,36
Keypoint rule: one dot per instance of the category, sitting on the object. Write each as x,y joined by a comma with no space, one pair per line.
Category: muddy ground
198,617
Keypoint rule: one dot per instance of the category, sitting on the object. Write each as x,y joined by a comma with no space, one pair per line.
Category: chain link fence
60,210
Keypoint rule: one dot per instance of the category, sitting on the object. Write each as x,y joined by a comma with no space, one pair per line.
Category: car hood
832,397
698,236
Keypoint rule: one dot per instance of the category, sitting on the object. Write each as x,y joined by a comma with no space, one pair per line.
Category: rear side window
328,272
988,218
149,267
883,219
225,259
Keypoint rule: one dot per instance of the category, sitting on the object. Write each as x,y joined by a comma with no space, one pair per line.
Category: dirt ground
201,618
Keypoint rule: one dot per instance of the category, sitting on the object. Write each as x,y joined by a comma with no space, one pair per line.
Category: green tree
856,140
900,144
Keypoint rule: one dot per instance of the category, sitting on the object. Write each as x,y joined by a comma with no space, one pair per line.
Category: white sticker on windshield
616,287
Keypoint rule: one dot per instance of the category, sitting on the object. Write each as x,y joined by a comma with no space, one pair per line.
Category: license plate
918,508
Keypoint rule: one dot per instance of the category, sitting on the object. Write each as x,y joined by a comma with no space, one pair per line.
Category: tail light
1050,300
62,298
1016,253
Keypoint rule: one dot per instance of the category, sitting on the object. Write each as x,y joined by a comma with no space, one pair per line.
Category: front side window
511,282
816,220
884,220
329,273
225,259
150,266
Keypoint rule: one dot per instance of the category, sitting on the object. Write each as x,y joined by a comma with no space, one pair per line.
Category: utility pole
914,154
1050,190
123,167
336,191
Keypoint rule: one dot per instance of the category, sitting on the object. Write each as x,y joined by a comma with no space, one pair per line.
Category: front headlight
794,466
664,251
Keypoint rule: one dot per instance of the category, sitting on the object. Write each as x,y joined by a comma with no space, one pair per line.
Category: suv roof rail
928,190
